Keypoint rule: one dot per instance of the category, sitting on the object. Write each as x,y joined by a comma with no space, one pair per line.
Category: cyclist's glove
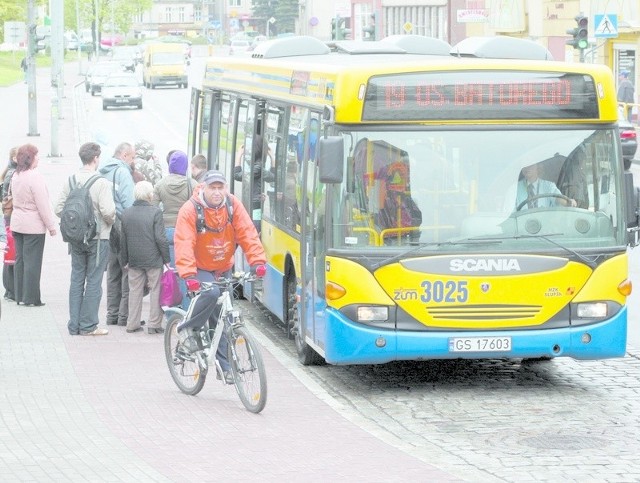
193,284
259,270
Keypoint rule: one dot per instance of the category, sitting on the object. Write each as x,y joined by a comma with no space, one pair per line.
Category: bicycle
189,369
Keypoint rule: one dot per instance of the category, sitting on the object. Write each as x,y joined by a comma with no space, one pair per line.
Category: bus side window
225,138
274,159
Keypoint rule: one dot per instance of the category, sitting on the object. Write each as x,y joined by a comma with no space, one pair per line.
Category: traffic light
337,25
580,33
369,31
343,31
36,42
338,29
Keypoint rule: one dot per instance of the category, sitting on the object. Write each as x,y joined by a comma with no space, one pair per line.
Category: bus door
313,301
246,187
195,116
208,145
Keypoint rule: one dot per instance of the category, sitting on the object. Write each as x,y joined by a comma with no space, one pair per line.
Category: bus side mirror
330,159
632,197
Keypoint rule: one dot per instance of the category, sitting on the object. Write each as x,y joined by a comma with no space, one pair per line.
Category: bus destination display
480,95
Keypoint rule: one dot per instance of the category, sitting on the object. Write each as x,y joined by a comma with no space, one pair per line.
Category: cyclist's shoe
228,377
190,340
181,355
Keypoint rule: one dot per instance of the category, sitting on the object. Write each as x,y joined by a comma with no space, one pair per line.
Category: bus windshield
514,189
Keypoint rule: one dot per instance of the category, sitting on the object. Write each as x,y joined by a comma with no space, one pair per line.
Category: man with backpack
208,228
87,212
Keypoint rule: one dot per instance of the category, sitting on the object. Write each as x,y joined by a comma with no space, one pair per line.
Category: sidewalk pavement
105,408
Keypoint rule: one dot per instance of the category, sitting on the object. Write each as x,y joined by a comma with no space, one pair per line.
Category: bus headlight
591,310
369,314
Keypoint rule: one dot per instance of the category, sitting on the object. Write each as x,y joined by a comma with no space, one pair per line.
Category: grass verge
10,71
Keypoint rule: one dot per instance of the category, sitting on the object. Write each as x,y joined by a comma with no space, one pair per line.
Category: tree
284,11
12,11
286,15
264,9
122,10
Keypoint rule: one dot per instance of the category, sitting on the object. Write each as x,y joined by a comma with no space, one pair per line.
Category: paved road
105,408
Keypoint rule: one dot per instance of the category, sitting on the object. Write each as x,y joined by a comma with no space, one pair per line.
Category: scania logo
484,265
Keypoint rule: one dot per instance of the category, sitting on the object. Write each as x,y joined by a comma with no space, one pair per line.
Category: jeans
169,231
85,289
203,311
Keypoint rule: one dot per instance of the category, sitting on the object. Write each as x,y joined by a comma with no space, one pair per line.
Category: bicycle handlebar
236,277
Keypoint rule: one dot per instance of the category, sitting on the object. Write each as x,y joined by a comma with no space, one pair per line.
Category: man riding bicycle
209,226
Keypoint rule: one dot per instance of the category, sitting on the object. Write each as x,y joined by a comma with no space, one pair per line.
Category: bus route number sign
480,95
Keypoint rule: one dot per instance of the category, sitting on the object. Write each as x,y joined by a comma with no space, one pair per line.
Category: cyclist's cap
214,177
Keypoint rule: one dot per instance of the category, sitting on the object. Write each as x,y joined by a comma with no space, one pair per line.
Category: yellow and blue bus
422,201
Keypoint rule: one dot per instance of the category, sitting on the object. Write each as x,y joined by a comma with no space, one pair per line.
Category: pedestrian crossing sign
606,25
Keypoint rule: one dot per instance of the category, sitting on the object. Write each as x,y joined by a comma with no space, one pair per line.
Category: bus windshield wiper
417,249
592,263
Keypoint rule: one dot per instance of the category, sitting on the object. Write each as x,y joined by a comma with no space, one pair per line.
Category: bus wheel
306,355
290,303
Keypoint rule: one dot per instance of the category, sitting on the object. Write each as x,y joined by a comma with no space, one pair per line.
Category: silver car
97,74
120,90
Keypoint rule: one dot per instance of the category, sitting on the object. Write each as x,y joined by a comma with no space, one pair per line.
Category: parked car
97,74
628,138
126,57
109,40
239,47
256,40
71,40
121,89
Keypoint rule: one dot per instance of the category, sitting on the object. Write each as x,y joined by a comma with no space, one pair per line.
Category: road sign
606,25
407,27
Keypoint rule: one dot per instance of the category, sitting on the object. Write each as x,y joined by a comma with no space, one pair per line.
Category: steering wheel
543,195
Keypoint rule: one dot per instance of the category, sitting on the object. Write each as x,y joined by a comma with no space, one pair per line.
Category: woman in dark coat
144,250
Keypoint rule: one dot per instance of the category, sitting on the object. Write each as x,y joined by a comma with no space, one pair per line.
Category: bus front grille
484,312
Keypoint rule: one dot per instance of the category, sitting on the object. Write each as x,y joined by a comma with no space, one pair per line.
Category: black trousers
28,267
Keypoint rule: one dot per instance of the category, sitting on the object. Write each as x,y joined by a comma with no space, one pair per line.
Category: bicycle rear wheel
249,375
183,367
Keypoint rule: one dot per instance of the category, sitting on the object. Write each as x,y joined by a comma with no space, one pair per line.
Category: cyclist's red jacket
213,250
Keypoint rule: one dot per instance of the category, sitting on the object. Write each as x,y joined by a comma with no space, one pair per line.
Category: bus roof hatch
290,47
500,47
418,44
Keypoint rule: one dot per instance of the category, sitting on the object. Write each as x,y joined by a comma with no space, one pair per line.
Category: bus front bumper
347,342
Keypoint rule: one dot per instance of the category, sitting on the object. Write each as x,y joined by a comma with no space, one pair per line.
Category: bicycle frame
225,300
246,363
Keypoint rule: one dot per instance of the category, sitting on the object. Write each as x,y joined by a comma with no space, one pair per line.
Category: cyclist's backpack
78,223
201,225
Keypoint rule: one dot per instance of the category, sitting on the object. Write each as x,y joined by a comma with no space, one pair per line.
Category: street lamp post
31,70
79,41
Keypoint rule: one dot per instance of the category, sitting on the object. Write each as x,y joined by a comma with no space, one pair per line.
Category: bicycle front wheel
249,375
183,366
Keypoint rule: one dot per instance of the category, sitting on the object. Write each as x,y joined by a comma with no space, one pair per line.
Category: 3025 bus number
444,291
